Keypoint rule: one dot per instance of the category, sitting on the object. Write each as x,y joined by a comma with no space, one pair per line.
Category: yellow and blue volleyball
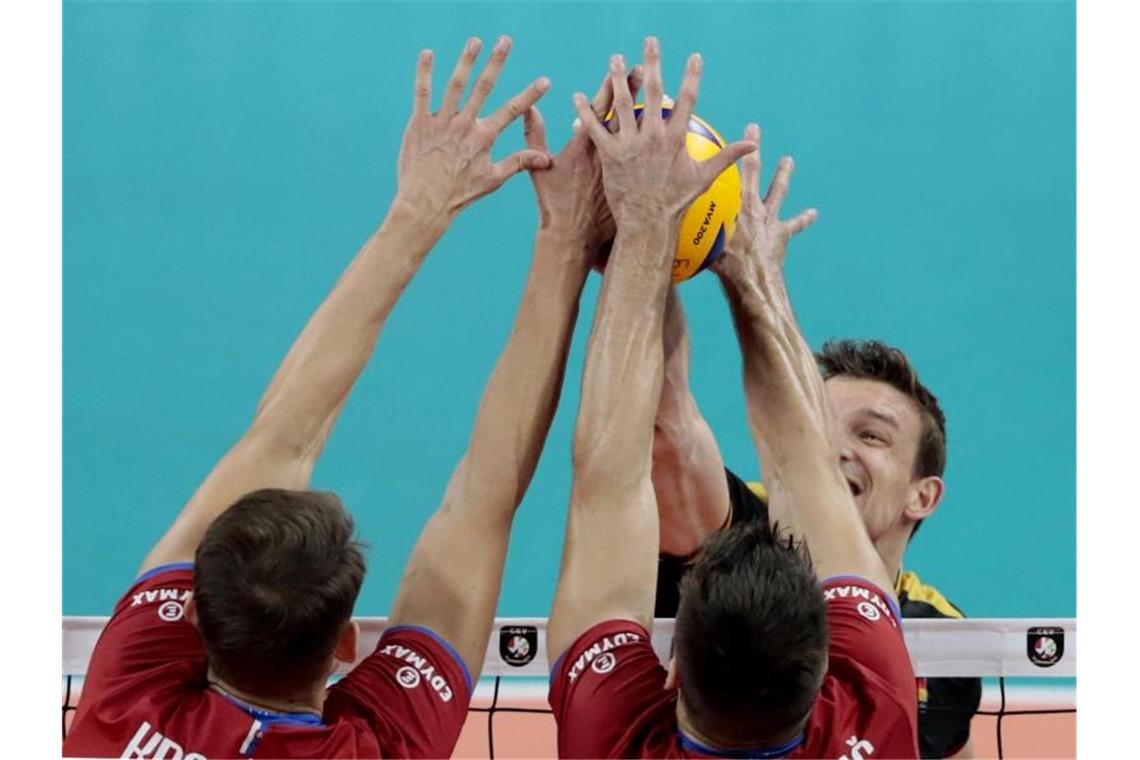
710,220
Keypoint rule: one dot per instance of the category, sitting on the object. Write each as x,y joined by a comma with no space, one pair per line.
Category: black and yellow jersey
945,705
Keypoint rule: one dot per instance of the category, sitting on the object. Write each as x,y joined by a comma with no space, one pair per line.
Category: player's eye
873,436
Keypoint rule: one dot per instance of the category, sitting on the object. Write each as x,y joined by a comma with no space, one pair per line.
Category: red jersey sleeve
413,692
865,627
607,680
868,652
148,628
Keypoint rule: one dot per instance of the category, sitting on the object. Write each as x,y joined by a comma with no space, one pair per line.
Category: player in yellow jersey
891,439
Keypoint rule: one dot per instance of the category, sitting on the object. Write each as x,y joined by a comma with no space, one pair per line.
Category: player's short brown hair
275,580
875,360
750,639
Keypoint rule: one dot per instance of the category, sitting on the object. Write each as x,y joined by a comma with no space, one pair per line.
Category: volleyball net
1027,666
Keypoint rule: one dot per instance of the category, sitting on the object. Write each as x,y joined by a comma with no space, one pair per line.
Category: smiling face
878,430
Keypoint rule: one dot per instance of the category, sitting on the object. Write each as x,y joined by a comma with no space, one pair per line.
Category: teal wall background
223,162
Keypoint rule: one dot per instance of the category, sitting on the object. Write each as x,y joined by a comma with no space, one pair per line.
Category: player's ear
190,612
346,646
925,496
672,680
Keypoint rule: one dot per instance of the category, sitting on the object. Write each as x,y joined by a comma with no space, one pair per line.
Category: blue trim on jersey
557,664
163,569
888,598
271,718
692,745
443,643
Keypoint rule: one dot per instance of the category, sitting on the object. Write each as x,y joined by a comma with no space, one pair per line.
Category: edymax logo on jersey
865,609
1045,646
173,602
599,650
410,677
518,644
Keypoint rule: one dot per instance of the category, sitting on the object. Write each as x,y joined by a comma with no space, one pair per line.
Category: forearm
297,410
787,410
451,584
688,472
790,422
622,379
521,396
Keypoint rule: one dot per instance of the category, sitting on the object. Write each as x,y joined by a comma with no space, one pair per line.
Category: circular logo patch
604,663
408,677
869,611
170,611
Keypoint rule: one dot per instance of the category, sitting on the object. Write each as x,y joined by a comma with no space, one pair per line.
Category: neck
891,548
685,723
311,701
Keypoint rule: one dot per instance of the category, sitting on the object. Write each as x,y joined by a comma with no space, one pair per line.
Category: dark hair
275,580
750,638
874,360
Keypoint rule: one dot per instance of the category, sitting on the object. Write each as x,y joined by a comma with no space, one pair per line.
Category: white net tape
1034,647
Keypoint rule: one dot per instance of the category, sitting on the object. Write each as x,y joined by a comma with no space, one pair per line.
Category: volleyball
710,220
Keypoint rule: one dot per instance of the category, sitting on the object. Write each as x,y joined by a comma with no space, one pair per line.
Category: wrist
647,217
563,257
419,220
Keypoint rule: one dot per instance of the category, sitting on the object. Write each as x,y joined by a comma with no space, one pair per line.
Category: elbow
276,440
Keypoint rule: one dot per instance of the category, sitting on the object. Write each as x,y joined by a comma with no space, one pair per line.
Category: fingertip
538,161
788,164
695,63
474,45
426,55
543,84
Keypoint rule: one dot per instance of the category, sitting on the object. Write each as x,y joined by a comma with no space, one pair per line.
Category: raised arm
610,556
452,581
688,471
444,165
788,412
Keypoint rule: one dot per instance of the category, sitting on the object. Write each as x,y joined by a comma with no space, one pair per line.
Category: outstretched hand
445,159
570,197
647,171
760,243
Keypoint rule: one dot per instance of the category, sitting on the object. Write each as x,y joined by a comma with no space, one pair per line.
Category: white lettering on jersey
254,730
599,648
161,595
858,592
858,747
419,669
157,747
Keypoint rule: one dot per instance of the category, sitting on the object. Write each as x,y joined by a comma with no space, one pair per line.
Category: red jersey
145,693
609,697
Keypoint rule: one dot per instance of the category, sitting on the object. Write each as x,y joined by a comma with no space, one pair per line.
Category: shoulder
921,600
863,712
